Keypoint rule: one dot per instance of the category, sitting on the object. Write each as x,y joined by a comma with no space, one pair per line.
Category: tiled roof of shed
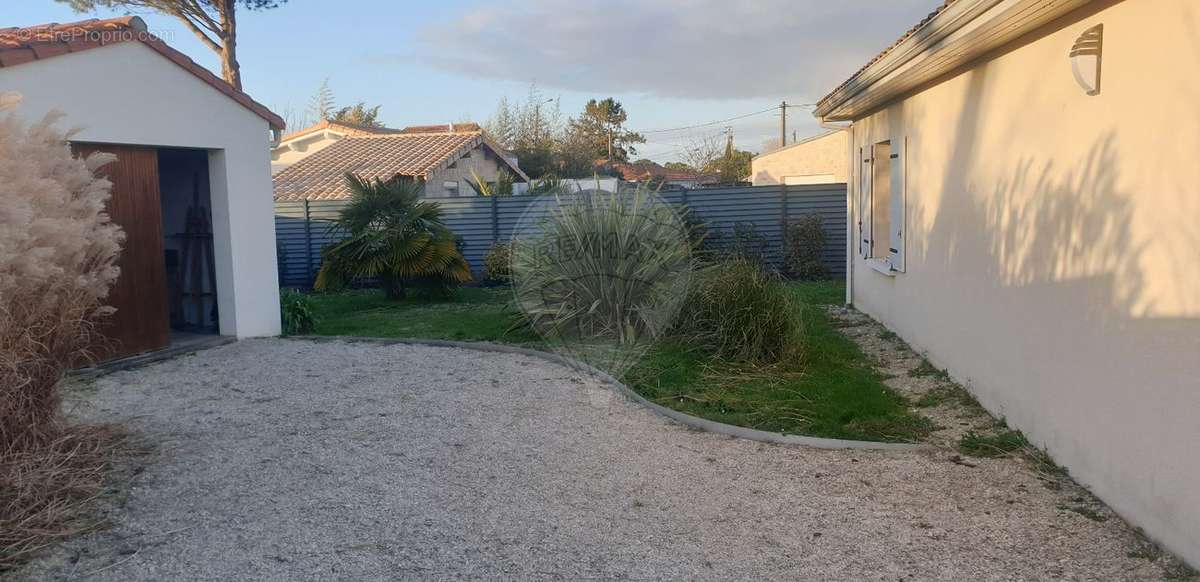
23,45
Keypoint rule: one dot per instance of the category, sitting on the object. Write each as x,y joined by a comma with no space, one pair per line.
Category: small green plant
548,184
497,264
993,446
927,370
887,335
296,312
946,394
503,186
805,241
737,311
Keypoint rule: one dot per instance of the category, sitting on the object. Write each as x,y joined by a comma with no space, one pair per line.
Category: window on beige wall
882,200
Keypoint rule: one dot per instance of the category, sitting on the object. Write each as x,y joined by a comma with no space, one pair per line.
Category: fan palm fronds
394,237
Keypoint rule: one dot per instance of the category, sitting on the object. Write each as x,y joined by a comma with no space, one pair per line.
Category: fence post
495,220
308,255
783,222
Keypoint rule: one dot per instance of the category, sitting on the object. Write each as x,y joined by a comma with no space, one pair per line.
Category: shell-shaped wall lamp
1085,59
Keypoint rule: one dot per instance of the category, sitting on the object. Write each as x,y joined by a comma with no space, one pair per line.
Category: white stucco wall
1051,249
129,94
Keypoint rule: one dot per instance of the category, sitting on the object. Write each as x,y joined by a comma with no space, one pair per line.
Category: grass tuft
927,370
947,394
992,446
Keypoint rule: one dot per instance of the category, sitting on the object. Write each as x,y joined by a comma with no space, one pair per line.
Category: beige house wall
1051,260
820,156
483,162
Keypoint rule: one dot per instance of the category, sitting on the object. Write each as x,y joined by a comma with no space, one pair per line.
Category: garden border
679,417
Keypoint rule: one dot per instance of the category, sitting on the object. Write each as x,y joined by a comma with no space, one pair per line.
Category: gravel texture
294,460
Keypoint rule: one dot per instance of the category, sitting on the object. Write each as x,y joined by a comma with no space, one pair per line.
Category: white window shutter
864,197
898,204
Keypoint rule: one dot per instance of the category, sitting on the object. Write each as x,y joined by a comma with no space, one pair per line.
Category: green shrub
604,266
497,263
805,240
296,312
735,310
747,244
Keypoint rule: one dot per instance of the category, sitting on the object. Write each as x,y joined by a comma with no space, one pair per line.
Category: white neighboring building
820,159
181,135
310,140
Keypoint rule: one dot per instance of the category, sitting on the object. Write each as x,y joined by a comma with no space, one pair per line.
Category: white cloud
701,49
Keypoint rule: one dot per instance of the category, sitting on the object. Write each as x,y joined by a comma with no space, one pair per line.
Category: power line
719,121
699,125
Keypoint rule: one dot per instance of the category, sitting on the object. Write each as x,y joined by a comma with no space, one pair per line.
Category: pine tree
321,106
501,126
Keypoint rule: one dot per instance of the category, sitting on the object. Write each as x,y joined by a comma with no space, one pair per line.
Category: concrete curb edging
679,417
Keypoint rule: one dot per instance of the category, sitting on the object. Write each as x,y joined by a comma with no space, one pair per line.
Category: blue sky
673,63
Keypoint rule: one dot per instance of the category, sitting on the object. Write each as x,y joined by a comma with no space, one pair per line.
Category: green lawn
471,314
834,392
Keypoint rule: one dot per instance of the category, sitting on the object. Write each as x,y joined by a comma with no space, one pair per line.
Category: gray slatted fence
302,229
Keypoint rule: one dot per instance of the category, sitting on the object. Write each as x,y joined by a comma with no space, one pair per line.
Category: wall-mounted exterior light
1085,59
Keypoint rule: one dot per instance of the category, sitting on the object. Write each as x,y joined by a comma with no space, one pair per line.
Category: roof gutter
929,35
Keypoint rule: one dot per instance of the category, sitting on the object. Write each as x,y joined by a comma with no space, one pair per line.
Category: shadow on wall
1052,319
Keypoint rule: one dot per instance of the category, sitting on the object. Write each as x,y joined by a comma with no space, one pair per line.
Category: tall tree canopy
358,114
214,22
735,165
603,125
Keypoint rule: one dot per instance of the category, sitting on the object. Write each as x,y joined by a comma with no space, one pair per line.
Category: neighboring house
183,138
820,159
310,140
651,172
444,161
1024,209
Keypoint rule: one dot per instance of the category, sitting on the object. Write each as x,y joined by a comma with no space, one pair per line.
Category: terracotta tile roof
907,35
321,176
351,129
22,45
445,128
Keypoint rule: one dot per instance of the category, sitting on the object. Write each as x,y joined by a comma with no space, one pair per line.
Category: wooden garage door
141,323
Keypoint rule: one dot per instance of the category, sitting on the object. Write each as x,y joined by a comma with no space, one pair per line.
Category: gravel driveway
293,460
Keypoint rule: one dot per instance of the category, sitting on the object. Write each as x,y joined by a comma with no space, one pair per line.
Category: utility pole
783,124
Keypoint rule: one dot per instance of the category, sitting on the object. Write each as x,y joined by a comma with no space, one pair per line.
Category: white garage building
192,184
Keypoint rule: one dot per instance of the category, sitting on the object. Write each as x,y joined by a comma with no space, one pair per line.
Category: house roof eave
958,33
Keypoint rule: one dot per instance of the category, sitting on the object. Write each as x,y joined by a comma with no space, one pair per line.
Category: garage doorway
166,295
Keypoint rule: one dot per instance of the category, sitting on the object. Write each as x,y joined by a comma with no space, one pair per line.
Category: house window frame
892,261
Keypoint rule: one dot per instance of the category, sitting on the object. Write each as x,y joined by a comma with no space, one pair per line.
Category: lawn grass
834,392
470,314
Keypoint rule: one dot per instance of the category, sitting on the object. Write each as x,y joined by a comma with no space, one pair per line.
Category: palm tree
394,237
